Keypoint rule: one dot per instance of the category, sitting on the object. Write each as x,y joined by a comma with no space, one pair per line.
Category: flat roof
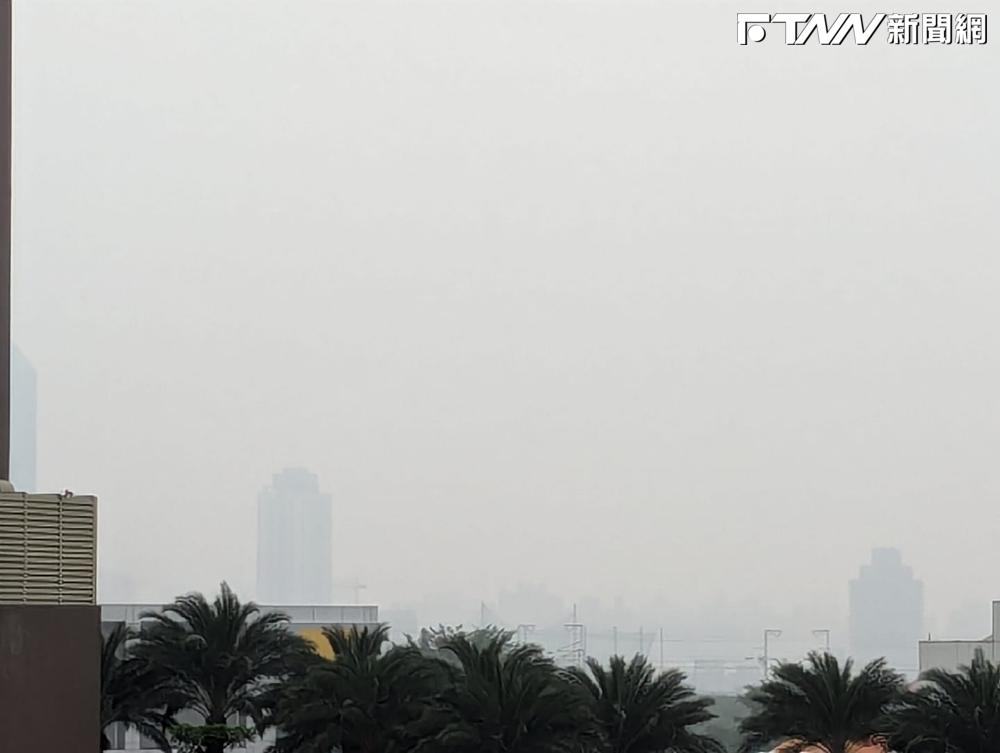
320,614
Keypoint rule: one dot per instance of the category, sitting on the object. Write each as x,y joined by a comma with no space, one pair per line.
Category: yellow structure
320,643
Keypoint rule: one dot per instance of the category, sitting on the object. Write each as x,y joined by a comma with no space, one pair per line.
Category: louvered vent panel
48,549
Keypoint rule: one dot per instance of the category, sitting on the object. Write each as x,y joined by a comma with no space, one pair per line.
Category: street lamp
524,631
768,634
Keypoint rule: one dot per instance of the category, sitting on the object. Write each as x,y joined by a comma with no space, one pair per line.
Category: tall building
294,528
887,612
23,410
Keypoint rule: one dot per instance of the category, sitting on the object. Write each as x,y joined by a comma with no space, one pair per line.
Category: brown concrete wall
50,679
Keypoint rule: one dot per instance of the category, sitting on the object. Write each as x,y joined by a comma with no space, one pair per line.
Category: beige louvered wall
48,549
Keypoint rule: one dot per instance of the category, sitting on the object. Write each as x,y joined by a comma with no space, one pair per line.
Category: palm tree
365,700
132,693
951,712
223,661
435,638
642,712
513,699
819,704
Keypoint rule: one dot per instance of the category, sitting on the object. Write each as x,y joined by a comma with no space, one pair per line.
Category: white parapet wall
953,654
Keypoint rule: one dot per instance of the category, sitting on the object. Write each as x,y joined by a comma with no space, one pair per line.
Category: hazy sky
576,293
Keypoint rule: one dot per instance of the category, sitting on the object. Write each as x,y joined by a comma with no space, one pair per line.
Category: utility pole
826,635
614,640
6,123
767,656
524,632
661,648
358,588
576,650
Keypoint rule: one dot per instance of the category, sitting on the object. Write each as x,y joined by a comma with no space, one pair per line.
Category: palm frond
820,703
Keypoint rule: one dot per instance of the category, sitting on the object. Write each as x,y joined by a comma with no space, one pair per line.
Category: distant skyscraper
887,612
23,412
294,527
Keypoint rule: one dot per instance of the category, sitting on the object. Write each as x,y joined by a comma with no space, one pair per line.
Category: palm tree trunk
212,743
838,745
215,745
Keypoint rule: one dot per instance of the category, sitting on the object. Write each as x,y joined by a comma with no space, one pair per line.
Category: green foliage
513,699
436,638
951,712
640,711
189,738
222,659
448,692
132,692
365,700
725,727
455,692
818,703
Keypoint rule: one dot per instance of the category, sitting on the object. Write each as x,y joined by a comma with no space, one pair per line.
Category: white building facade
951,655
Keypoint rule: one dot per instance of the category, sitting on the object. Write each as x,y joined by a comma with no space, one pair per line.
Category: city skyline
498,374
533,313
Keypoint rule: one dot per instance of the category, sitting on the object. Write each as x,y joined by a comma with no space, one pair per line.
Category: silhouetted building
887,612
294,529
23,419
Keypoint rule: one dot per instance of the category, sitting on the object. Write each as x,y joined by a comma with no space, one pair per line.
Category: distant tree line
238,671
